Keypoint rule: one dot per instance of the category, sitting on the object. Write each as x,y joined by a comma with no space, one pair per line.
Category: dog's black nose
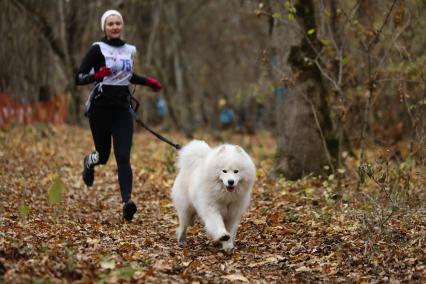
231,182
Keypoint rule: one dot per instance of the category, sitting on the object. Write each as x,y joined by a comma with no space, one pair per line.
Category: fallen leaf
108,263
236,277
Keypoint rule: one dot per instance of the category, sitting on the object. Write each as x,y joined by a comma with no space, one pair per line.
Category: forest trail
293,231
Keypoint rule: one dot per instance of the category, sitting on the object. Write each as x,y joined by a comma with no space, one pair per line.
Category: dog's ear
239,149
222,149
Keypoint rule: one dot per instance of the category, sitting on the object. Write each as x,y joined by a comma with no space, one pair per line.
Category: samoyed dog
216,185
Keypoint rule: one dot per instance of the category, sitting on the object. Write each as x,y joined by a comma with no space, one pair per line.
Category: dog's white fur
216,185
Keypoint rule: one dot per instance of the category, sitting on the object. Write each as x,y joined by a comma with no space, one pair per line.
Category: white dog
216,185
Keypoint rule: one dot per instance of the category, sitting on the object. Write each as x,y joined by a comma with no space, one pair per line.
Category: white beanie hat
107,14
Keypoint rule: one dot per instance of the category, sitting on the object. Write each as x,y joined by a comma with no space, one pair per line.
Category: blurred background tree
324,76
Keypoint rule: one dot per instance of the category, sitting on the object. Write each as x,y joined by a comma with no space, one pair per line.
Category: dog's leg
215,227
185,219
231,224
181,235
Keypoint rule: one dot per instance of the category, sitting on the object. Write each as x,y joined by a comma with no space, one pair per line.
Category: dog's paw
228,247
225,238
181,240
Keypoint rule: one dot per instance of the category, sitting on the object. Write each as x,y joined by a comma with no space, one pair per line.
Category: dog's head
234,167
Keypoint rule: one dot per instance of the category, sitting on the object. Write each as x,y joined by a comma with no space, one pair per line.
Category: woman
109,64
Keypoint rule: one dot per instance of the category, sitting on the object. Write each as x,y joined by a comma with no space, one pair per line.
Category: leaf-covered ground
312,230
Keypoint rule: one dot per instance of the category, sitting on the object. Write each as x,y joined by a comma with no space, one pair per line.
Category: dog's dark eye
225,171
236,172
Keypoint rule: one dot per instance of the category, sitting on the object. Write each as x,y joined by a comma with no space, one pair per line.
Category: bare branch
324,144
45,28
375,38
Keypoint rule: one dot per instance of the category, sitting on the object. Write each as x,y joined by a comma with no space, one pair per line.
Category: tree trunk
305,139
61,46
179,70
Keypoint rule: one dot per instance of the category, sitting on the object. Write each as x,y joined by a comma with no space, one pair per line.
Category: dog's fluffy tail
192,154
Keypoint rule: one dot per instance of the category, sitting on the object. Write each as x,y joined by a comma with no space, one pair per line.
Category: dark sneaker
129,209
88,172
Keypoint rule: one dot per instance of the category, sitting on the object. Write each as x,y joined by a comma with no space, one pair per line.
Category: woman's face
113,27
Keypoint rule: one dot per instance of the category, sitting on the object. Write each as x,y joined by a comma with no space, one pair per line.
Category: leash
141,123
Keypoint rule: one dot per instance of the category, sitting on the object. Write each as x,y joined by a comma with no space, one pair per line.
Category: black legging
107,122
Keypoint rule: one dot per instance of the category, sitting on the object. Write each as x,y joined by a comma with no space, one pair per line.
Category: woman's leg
122,134
100,126
100,120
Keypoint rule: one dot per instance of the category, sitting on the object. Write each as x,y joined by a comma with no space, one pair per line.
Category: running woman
109,64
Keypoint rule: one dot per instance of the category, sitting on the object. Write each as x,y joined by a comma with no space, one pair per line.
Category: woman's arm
147,81
138,80
93,60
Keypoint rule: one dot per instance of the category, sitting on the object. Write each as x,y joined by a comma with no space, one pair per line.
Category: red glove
103,71
154,84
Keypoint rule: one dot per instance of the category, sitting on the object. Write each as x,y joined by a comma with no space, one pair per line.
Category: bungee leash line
141,123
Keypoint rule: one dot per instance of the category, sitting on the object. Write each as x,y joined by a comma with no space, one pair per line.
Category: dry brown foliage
312,230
